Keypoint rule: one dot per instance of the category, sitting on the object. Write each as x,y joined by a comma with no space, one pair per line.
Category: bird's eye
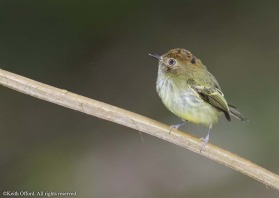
172,62
193,61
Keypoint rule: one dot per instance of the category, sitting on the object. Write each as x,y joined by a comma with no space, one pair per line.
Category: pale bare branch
137,122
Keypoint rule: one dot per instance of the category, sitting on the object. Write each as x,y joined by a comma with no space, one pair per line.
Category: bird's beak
155,56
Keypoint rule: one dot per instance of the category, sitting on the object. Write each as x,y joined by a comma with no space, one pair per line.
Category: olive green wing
212,96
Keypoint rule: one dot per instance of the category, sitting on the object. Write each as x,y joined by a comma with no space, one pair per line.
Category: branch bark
135,121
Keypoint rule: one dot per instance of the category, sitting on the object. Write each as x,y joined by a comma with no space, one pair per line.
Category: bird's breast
184,102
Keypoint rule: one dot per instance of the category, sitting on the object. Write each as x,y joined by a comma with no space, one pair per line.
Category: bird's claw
175,126
205,141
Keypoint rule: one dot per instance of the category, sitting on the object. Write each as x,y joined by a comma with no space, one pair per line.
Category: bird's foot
206,139
176,126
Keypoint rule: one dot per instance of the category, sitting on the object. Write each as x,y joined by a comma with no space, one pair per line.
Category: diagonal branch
135,121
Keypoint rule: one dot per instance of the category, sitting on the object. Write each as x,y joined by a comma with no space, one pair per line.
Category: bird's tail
234,112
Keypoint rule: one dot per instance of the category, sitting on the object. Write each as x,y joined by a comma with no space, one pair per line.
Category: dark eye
172,61
193,61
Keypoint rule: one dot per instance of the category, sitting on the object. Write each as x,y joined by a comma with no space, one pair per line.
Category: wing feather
214,97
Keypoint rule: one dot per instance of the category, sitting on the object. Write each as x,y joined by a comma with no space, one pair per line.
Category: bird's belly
189,106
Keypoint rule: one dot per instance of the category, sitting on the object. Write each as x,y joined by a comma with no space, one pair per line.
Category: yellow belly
187,105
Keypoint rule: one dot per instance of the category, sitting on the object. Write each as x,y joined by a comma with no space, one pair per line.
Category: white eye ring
172,62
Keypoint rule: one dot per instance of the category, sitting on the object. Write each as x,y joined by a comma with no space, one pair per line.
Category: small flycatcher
190,91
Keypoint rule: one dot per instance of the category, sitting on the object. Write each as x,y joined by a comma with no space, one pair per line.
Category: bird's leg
176,126
206,139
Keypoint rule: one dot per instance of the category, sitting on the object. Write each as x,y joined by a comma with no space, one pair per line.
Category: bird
190,91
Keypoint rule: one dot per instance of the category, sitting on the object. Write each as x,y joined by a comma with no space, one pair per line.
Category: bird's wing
213,96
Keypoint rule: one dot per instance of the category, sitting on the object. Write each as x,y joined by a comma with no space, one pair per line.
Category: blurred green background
99,49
